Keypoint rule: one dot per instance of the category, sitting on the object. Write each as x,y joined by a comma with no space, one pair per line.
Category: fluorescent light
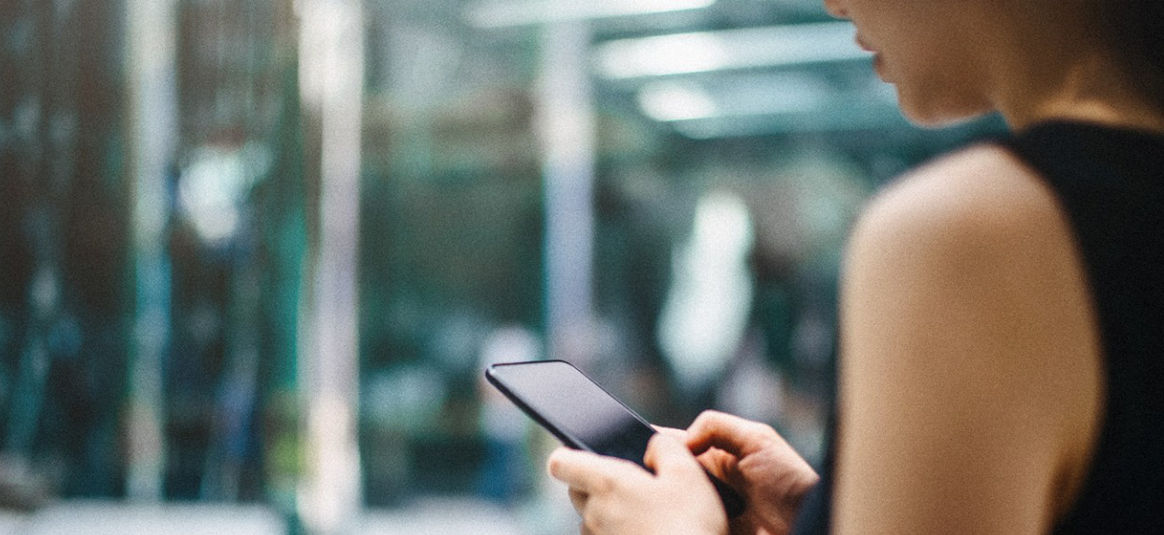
666,102
500,13
736,96
765,103
728,49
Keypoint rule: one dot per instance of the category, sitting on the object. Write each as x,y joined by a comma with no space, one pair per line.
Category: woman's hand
616,497
753,459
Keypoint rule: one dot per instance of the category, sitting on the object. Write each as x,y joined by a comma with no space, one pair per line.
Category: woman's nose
836,8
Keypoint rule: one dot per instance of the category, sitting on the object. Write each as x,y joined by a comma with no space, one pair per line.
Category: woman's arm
970,375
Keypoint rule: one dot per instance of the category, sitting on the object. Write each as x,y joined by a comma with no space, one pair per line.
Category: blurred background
255,254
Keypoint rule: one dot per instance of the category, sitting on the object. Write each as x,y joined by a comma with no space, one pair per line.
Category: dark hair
1136,29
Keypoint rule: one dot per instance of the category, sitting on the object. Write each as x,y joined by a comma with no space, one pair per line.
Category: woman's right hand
755,460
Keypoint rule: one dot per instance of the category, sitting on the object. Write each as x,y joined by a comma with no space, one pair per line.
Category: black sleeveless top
1110,184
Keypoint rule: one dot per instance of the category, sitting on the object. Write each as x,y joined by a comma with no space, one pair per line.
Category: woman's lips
864,46
878,61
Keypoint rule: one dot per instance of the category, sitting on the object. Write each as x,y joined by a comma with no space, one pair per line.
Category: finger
665,453
720,463
589,472
578,499
677,434
729,433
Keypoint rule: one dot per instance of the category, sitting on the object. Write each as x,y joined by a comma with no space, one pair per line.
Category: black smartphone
583,415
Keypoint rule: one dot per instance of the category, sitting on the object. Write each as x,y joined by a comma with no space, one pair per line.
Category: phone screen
575,409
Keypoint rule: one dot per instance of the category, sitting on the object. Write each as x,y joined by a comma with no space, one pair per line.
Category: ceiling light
728,49
499,14
666,102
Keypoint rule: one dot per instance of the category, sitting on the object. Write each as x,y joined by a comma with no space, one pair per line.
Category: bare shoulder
982,189
969,354
979,219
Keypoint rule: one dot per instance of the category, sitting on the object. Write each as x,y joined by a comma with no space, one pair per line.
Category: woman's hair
1136,29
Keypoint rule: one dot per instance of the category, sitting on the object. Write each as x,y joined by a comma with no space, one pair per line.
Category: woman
1002,332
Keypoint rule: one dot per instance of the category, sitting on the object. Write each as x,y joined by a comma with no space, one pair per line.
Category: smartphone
583,415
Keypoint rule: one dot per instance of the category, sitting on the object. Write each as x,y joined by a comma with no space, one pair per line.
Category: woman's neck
1071,78
1099,99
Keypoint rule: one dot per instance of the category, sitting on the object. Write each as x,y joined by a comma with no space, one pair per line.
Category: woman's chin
931,114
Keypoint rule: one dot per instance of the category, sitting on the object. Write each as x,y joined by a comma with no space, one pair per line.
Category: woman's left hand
616,497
